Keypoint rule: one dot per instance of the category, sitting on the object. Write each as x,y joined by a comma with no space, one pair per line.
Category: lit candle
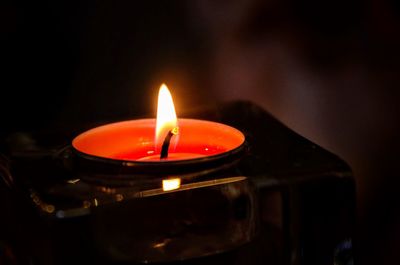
179,179
142,140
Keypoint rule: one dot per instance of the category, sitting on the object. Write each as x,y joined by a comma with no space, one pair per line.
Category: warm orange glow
166,116
171,184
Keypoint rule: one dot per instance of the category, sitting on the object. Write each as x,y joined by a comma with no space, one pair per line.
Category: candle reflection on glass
171,184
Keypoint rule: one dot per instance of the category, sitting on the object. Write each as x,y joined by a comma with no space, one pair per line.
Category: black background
328,69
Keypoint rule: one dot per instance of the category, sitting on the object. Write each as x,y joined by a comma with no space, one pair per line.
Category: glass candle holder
154,210
63,207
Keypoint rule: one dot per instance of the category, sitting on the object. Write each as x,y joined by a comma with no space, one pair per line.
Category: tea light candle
142,140
178,179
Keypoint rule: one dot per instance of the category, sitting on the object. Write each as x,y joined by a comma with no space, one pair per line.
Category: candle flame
166,116
171,184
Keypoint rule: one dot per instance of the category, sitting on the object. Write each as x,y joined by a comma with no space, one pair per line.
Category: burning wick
167,141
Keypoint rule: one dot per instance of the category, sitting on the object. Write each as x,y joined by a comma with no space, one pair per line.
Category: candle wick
167,141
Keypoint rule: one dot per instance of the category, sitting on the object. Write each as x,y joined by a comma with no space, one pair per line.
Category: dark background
327,69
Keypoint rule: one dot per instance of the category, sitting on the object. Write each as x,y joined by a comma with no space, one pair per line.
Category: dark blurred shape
329,70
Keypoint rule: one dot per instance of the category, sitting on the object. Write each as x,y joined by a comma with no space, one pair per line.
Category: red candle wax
135,140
